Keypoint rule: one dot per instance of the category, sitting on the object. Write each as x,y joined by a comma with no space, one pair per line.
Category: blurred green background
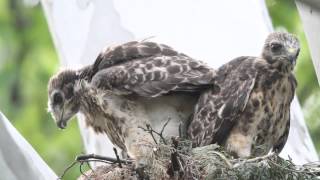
28,59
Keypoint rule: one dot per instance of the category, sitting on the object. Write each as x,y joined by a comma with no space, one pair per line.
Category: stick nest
177,160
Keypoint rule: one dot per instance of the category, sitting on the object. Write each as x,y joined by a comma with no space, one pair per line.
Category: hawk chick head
63,102
281,48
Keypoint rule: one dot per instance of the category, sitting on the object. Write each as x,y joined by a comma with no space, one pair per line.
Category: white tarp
18,160
309,11
213,31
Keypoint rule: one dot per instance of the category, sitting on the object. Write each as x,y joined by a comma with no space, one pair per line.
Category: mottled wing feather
282,140
218,109
129,51
155,75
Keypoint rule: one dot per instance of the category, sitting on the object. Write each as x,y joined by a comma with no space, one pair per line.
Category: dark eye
276,46
57,98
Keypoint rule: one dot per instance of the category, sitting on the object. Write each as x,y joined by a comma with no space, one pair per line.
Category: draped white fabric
213,31
18,160
309,11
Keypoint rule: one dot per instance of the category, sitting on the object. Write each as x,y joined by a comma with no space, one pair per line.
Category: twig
164,125
151,131
161,132
98,160
260,158
67,169
223,157
160,135
89,166
93,156
180,130
118,159
82,171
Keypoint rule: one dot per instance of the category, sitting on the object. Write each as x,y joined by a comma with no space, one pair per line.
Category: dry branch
180,161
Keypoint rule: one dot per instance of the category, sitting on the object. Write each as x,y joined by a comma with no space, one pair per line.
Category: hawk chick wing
149,70
217,112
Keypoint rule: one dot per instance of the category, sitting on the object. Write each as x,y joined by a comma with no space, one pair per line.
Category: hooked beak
293,55
292,59
61,123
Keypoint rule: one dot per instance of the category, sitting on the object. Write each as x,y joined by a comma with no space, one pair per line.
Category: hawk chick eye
57,98
276,46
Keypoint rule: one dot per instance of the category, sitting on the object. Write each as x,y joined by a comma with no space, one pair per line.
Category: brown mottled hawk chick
127,87
248,111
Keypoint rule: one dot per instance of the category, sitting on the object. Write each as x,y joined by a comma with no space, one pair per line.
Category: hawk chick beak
293,55
62,124
292,59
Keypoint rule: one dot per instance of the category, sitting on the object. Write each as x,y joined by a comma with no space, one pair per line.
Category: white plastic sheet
18,160
309,11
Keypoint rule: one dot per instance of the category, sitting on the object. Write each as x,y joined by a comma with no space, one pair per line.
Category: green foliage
27,60
284,15
312,114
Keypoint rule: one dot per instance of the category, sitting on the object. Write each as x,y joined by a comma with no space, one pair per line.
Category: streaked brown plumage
128,86
248,110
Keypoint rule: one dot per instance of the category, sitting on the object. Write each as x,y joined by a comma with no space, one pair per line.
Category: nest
177,160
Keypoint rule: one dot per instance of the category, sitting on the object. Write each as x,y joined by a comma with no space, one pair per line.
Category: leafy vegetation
28,59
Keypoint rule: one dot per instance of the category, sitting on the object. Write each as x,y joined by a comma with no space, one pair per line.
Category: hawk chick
248,111
127,87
